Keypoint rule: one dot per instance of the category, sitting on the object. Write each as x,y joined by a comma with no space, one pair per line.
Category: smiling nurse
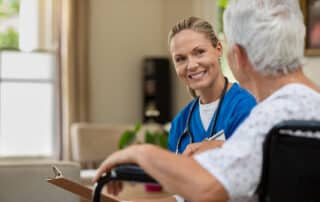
218,106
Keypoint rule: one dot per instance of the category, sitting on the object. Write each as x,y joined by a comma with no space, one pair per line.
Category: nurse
219,106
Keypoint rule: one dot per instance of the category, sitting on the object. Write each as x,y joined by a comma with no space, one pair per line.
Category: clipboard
76,188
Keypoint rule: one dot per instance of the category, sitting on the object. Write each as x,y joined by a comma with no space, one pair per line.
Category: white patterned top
237,165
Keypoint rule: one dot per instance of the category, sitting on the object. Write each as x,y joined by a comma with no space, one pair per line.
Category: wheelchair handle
126,172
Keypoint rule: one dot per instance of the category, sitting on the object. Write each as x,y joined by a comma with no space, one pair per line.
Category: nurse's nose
192,64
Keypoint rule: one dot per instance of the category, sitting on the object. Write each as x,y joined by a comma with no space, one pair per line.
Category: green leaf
156,138
163,141
137,127
222,3
129,136
9,39
126,139
15,6
149,138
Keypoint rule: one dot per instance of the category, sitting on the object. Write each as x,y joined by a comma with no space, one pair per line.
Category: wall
312,68
171,15
121,34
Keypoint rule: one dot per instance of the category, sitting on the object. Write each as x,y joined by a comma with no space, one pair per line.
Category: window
9,22
28,95
221,5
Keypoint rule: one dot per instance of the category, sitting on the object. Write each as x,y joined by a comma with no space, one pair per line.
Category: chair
291,166
92,143
25,180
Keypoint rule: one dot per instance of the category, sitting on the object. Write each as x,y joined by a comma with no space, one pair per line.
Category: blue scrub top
236,106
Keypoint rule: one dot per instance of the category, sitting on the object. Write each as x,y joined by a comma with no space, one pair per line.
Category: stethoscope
187,131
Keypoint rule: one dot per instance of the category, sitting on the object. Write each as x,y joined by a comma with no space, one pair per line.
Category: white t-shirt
206,112
238,163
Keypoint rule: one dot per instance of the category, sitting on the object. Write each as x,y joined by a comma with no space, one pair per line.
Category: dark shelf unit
156,90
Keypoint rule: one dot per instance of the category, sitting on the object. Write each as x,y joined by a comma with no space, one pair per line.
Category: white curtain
73,60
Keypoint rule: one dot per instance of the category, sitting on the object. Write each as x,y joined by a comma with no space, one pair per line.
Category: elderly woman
266,42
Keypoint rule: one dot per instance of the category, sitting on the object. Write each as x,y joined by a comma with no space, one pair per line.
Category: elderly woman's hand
127,155
199,147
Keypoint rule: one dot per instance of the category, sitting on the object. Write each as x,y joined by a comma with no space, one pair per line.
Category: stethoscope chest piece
187,131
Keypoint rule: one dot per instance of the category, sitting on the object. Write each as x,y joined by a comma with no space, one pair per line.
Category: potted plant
151,135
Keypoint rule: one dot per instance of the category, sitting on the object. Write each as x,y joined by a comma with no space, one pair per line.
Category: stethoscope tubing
187,131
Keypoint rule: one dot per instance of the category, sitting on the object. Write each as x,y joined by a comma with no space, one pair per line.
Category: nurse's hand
199,147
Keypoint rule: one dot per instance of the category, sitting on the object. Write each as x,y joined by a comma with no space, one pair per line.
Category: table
130,190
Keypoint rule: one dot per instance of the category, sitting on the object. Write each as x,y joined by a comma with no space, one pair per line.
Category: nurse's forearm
180,174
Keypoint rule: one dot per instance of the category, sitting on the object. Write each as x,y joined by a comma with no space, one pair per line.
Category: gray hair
272,33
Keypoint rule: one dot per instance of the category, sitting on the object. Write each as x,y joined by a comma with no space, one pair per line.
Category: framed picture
311,11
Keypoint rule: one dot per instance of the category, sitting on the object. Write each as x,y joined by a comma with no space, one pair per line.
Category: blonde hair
198,25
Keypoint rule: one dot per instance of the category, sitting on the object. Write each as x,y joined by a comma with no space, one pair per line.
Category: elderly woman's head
271,32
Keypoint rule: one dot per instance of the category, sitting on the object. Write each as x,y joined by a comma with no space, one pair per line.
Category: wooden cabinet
156,90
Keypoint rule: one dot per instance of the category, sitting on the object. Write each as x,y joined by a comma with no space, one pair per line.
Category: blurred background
99,61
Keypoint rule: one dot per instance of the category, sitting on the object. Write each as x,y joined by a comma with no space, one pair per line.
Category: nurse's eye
180,59
199,51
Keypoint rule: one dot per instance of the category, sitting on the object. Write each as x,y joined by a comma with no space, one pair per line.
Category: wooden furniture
156,90
137,191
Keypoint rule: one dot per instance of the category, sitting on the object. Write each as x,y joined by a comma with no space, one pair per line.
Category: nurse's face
195,59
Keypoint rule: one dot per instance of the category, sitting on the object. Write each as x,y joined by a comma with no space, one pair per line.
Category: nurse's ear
219,49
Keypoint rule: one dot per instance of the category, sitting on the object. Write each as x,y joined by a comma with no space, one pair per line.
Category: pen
215,136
